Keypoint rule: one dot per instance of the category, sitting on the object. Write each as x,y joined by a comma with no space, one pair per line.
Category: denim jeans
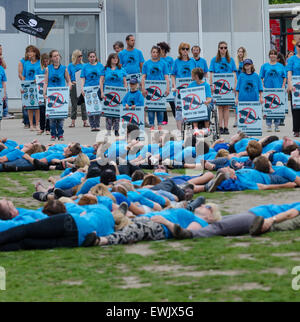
94,121
159,115
270,121
57,127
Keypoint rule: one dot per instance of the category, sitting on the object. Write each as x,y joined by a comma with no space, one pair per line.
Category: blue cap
248,61
133,80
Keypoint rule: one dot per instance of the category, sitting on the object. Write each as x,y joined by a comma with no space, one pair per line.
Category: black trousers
170,186
55,231
44,123
296,120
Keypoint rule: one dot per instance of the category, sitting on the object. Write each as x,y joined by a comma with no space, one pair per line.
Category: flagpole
44,40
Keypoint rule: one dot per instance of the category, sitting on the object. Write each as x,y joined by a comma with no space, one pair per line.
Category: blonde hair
237,61
217,216
81,161
222,154
102,190
76,53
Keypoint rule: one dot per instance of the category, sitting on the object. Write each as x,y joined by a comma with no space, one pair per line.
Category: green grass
173,271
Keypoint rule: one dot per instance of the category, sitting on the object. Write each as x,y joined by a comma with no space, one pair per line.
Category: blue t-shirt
181,217
121,198
268,211
273,75
56,76
70,181
280,157
201,63
171,148
286,173
2,76
205,84
14,155
274,146
183,69
134,196
73,69
222,66
91,74
294,65
114,77
155,70
241,65
241,145
170,63
30,70
131,60
133,98
249,87
57,155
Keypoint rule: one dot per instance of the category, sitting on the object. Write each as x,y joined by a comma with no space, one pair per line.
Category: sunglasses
185,49
80,56
223,47
208,207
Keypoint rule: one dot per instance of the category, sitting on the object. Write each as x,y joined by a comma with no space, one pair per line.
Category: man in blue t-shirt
200,62
131,59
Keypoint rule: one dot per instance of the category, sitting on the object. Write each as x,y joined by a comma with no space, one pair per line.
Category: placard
156,98
29,95
57,102
223,92
1,103
181,83
274,103
138,76
250,118
111,105
296,92
39,81
92,102
134,116
193,107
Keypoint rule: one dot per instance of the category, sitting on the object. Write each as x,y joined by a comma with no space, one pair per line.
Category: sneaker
61,138
48,133
255,229
147,125
40,196
164,123
194,204
296,134
8,116
181,233
53,138
226,131
277,129
221,130
213,184
58,193
123,208
159,128
152,128
90,240
269,129
235,124
117,133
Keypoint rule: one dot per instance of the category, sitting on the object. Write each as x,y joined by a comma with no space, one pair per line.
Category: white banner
274,103
155,99
57,102
134,116
181,83
250,118
130,76
1,103
296,92
40,79
111,105
29,95
193,107
92,102
224,89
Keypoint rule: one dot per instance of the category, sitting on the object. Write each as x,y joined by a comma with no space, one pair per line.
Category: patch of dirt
178,246
133,282
139,249
73,283
18,188
241,245
248,287
286,254
275,270
246,256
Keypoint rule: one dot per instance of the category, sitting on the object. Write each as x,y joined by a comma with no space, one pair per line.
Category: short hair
222,154
54,207
199,72
82,160
269,140
196,46
151,180
75,149
137,175
5,213
108,176
155,47
163,45
87,200
215,211
119,44
128,37
262,164
254,149
102,191
289,149
293,164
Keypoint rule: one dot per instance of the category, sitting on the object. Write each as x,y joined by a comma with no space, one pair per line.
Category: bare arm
102,78
46,83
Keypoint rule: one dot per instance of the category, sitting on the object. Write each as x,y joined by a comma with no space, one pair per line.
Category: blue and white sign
92,102
57,103
250,118
29,95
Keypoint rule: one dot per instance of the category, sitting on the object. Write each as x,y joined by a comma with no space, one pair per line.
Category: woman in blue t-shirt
293,69
273,75
90,76
183,67
75,66
155,69
3,81
222,64
56,75
113,75
31,68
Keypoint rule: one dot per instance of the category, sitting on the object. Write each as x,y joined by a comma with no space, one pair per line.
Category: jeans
170,186
57,127
17,165
5,107
276,122
159,115
25,116
276,179
234,225
55,231
94,121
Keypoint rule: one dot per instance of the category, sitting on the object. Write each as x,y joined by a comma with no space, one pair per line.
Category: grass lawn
215,269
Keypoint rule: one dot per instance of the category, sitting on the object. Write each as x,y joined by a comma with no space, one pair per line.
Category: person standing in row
5,102
222,64
73,68
131,59
56,75
112,75
31,68
249,86
3,81
90,76
118,46
183,67
273,75
44,122
240,58
200,62
281,59
164,50
155,69
293,69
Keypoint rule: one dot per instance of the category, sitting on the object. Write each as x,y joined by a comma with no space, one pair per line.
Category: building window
184,16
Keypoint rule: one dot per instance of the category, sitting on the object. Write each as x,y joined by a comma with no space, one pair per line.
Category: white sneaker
277,129
269,129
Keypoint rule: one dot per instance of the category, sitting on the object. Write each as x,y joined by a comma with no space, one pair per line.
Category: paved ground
14,130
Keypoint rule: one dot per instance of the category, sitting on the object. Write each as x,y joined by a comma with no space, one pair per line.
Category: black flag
32,24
